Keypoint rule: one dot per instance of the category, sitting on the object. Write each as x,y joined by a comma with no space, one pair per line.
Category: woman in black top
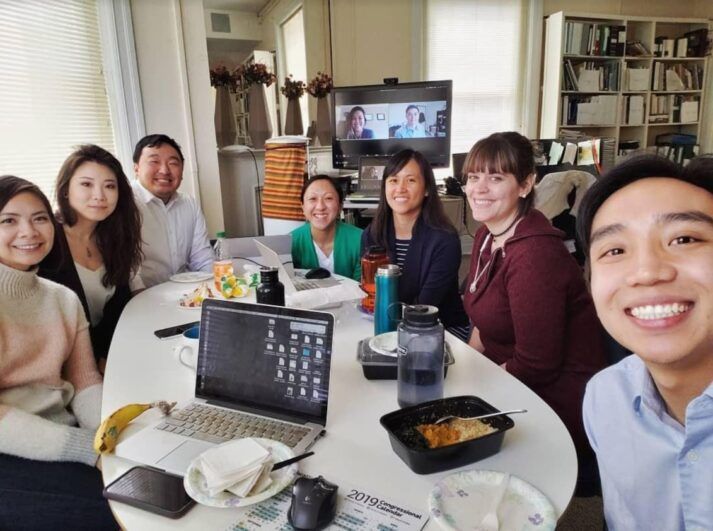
98,252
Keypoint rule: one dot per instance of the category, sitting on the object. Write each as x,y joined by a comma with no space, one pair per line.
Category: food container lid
370,358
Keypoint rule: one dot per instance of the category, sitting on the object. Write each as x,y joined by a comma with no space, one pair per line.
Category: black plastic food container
411,446
379,367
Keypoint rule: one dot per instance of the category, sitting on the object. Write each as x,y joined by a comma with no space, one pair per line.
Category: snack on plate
195,298
453,431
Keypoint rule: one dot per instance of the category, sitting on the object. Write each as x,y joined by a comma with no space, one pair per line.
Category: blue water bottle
387,297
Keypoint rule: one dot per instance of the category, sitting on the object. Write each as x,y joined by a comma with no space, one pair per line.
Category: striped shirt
401,250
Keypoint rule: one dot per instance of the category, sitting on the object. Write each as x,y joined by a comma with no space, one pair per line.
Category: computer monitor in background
380,120
458,161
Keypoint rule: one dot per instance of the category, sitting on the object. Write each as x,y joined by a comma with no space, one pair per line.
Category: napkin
316,298
237,463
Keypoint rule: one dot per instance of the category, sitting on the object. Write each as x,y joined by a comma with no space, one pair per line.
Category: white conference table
356,449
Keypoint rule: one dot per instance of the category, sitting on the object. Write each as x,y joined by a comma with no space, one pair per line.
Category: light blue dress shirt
410,132
656,474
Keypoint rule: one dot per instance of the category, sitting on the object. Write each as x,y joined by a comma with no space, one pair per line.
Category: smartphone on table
152,490
172,331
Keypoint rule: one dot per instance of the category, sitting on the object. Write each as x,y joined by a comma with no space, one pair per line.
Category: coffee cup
187,348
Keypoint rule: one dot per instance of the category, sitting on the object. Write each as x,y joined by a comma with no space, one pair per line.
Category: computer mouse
317,273
314,503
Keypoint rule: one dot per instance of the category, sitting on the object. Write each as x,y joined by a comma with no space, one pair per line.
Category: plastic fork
490,521
511,412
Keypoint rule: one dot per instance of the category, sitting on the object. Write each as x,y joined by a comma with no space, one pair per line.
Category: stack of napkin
241,466
321,297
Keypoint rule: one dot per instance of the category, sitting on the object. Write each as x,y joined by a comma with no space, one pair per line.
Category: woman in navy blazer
411,225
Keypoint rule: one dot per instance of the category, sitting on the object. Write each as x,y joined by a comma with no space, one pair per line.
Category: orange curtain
284,177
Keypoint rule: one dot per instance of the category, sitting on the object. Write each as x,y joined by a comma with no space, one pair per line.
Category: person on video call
411,128
356,119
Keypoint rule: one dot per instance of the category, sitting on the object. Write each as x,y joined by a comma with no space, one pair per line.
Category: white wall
374,39
177,98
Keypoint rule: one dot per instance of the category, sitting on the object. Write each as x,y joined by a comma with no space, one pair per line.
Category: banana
108,433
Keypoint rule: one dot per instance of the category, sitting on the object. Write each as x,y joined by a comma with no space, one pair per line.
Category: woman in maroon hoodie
526,296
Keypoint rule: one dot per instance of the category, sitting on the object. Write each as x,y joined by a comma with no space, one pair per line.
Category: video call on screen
263,359
379,120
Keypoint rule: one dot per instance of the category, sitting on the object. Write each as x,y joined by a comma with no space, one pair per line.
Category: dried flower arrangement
292,89
321,85
222,77
256,74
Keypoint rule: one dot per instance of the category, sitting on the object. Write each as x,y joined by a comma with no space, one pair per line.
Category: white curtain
480,45
53,94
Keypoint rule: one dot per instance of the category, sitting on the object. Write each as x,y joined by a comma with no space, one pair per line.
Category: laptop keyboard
215,425
301,285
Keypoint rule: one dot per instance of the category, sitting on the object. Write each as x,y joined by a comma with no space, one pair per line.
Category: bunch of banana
108,433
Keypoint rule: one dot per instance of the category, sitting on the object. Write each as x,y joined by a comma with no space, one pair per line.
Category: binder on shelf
637,78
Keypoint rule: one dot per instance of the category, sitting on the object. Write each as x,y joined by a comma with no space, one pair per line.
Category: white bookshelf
662,105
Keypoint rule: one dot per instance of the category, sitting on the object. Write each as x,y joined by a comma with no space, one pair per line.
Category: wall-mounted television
379,120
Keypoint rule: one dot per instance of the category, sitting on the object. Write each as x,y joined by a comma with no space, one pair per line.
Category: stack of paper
324,297
240,466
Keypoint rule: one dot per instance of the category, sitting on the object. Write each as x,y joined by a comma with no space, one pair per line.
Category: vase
259,125
293,118
224,118
324,122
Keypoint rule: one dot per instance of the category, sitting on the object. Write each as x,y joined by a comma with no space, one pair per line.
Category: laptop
262,370
371,173
292,284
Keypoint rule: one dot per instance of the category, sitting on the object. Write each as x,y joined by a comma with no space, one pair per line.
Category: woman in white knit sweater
50,389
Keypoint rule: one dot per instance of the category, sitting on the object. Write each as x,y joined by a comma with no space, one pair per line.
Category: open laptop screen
371,173
265,359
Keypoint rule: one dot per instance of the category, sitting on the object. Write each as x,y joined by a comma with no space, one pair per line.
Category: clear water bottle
420,356
223,263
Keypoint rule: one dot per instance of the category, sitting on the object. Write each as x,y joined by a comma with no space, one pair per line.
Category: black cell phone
171,331
152,490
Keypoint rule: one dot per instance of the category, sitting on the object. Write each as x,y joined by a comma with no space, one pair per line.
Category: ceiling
250,6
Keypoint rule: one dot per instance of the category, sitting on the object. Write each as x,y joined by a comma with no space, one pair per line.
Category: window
479,45
53,94
293,39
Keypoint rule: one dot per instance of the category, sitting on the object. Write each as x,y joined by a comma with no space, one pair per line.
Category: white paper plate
460,501
191,276
385,344
195,484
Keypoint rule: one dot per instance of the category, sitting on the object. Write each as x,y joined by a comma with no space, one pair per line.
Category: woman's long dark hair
432,211
118,236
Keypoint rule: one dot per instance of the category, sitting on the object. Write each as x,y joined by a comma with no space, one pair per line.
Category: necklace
478,272
517,218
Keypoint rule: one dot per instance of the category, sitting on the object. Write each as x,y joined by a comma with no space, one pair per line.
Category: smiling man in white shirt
173,228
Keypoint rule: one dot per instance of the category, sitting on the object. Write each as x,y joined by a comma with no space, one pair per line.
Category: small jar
270,290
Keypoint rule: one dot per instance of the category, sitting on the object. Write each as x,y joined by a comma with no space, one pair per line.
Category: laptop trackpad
178,460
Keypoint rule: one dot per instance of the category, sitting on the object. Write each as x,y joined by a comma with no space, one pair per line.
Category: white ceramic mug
189,345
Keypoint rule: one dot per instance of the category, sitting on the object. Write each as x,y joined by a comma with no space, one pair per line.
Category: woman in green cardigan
324,241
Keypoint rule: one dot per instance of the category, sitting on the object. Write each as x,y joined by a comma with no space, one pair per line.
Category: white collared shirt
174,236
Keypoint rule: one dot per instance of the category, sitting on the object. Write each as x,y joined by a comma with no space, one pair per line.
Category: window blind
477,44
52,87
